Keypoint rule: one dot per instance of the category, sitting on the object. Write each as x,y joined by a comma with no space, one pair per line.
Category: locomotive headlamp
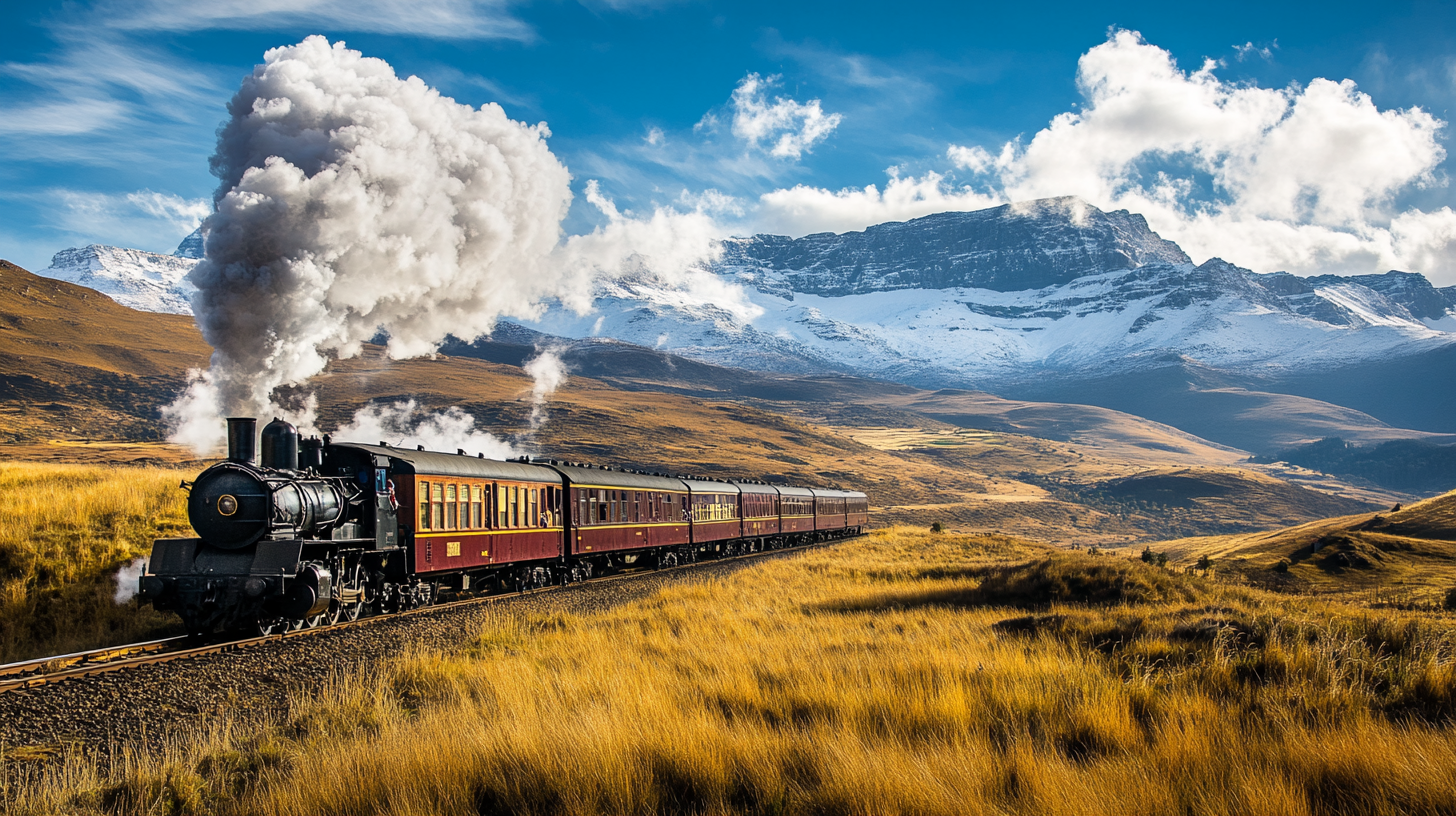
227,505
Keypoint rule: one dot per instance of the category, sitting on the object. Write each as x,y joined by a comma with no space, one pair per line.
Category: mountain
1010,248
191,246
71,358
1056,300
147,281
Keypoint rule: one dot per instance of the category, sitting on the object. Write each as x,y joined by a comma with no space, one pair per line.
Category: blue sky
1225,124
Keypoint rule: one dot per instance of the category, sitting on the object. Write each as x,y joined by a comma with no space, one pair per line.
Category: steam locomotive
321,531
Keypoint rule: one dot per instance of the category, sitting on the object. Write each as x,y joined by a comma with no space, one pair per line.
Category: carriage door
386,520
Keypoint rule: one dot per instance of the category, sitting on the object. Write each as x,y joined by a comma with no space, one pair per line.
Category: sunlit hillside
1405,556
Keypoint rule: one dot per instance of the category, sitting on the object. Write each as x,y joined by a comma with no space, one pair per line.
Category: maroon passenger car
714,509
613,512
796,510
463,512
759,506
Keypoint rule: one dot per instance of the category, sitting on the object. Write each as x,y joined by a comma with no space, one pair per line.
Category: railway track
42,671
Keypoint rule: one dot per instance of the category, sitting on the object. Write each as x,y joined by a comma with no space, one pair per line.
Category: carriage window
424,505
477,516
451,515
437,505
534,518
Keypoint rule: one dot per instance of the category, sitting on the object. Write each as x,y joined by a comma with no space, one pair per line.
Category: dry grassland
64,532
900,673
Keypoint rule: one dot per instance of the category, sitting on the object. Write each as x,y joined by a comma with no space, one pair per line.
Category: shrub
1451,600
1282,566
937,527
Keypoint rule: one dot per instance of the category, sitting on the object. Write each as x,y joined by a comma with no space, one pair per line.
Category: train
318,531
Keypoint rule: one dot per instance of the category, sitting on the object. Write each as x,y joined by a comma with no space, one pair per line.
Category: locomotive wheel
268,626
294,624
316,621
353,611
335,613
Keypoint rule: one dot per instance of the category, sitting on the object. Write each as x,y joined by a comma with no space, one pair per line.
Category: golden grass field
64,532
904,672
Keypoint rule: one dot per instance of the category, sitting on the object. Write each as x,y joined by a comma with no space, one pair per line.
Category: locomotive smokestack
242,435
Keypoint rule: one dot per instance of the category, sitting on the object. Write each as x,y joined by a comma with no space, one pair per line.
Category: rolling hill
1403,556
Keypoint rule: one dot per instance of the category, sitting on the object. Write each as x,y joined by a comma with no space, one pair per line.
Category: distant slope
1408,554
71,358
1404,464
1234,411
80,366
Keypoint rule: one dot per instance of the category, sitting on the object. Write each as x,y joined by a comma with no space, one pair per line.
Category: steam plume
401,425
352,201
549,373
126,580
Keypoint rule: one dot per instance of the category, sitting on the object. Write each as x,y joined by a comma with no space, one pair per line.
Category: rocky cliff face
1004,249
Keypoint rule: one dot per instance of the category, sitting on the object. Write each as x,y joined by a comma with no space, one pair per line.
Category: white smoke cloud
791,127
352,200
402,424
127,578
1303,179
549,373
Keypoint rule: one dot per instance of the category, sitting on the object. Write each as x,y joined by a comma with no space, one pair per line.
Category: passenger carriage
613,512
828,509
713,507
796,510
759,506
465,512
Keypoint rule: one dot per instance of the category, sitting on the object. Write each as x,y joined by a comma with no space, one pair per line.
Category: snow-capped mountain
147,281
1016,294
997,299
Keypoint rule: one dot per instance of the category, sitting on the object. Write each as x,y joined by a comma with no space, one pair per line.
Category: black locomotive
318,531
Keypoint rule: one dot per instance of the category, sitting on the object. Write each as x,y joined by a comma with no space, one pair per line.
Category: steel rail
42,671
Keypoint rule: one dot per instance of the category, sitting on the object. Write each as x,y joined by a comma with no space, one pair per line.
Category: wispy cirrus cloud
441,19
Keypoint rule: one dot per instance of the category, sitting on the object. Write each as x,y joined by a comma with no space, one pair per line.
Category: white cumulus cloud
801,209
789,128
1299,178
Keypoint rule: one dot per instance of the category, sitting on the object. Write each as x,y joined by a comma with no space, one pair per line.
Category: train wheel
262,627
353,611
315,621
335,613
